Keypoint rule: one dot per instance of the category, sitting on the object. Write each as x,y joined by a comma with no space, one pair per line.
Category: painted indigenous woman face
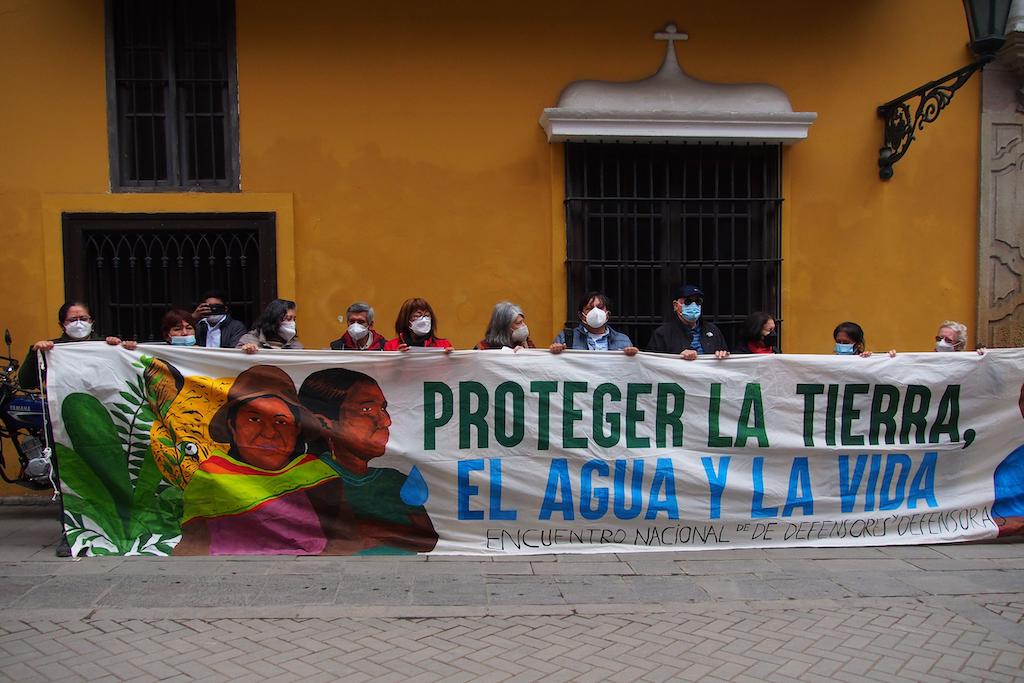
265,432
364,423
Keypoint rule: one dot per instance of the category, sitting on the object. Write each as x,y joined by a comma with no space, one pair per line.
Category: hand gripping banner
168,451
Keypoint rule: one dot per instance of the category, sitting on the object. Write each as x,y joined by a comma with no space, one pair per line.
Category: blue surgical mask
845,349
691,312
189,340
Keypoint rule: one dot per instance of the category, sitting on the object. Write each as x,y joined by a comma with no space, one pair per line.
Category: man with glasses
686,334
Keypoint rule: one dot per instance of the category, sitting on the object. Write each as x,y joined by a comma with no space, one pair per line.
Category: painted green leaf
131,398
92,499
95,439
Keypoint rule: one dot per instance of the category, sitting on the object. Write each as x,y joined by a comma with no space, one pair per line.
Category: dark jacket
617,341
675,337
28,373
231,331
346,343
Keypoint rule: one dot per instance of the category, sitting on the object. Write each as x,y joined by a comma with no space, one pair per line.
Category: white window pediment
672,105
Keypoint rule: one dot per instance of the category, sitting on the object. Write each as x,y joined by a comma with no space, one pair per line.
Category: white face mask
358,331
421,326
943,345
596,318
520,334
78,329
214,320
287,330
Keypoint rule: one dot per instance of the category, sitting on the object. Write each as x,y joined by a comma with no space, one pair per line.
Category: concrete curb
968,607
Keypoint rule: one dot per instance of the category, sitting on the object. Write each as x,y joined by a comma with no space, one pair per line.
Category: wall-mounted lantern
986,21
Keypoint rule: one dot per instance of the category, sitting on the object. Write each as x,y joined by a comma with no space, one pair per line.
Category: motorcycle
23,423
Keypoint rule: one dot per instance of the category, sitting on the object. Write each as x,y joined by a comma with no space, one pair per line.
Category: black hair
854,332
752,326
63,310
323,392
272,316
600,296
213,294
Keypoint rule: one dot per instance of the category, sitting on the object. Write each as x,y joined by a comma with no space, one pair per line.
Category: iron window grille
172,95
133,268
642,219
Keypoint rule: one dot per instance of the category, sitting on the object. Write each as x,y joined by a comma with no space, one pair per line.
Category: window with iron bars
133,268
643,219
172,95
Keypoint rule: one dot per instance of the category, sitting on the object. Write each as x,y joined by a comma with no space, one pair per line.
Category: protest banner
165,450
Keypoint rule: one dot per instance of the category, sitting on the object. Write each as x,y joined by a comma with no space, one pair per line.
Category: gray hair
502,317
960,329
360,307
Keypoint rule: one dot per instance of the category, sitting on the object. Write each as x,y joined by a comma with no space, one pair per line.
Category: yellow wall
403,136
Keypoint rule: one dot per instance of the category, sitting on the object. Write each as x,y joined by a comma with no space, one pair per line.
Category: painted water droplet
414,491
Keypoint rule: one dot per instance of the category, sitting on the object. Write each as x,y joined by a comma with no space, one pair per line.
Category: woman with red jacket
416,326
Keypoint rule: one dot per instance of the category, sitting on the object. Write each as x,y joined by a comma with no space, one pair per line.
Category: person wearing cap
253,500
686,334
360,335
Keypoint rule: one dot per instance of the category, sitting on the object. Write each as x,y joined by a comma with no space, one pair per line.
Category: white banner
166,450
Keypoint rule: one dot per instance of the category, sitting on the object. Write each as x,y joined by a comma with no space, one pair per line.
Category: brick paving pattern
898,613
910,641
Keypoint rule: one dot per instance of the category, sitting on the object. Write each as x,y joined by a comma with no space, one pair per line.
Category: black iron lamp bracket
931,98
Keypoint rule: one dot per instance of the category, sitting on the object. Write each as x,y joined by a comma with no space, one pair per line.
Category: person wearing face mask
274,330
76,325
506,329
360,335
594,333
686,333
758,335
416,326
178,328
215,328
952,336
849,341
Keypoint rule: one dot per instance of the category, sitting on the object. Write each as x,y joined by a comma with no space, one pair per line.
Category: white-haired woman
506,329
952,336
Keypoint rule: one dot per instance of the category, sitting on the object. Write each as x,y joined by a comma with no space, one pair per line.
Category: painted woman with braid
374,513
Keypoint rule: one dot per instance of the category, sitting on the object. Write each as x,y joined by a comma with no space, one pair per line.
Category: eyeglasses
693,300
939,338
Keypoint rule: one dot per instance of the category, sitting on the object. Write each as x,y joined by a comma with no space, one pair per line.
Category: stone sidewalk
915,613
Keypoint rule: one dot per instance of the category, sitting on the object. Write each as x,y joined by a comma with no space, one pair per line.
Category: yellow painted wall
403,138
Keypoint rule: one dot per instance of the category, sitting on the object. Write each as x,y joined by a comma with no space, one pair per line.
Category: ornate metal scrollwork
901,125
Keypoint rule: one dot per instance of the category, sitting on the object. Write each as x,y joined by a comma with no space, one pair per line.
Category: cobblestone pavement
912,613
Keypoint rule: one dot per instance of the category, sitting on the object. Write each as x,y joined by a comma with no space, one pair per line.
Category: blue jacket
616,340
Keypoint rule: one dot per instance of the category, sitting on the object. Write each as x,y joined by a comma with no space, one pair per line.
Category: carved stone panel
1001,231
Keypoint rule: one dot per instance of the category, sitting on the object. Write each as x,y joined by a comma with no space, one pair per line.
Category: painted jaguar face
182,408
